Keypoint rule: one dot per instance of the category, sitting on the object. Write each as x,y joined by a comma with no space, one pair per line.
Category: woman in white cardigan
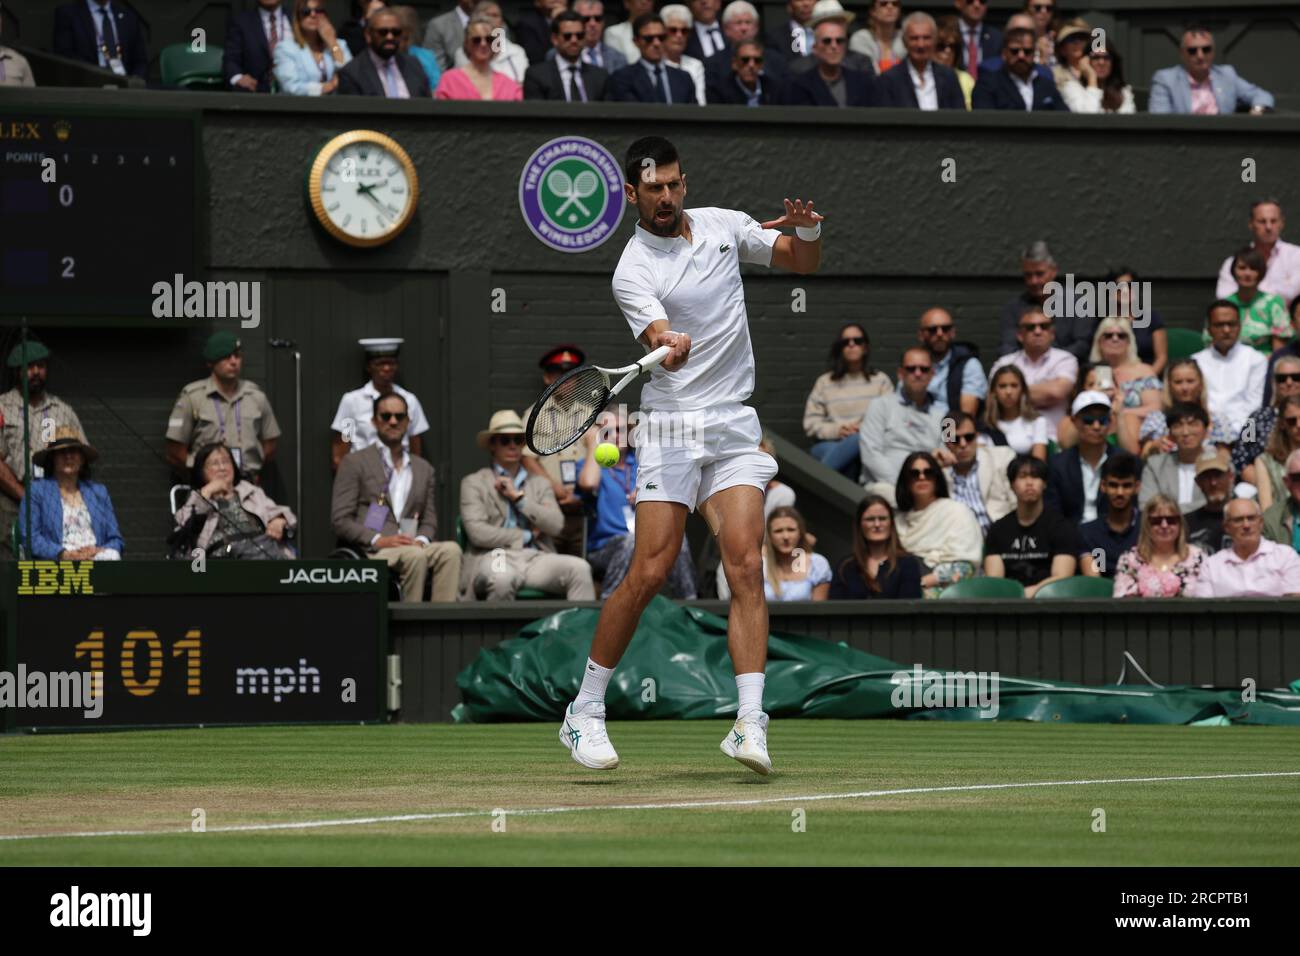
942,533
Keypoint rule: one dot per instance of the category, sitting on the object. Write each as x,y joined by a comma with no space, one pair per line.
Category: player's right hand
680,343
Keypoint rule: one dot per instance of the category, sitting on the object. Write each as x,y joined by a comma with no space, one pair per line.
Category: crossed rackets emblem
573,190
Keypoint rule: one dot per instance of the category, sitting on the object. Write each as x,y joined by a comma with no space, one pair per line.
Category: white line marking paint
685,805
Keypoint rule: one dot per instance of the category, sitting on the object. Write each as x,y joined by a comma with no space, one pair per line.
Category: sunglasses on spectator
1283,377
1292,422
750,59
944,47
1100,56
387,31
1042,7
571,36
1036,326
1115,336
964,438
1194,50
392,416
832,41
1095,419
507,439
1294,476
854,340
653,37
479,41
1017,51
678,29
311,12
920,474
1165,521
936,329
917,369
593,18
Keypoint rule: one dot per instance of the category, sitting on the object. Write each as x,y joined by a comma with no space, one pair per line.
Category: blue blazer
809,89
1171,91
247,51
296,70
996,90
632,85
1065,486
47,518
74,36
894,88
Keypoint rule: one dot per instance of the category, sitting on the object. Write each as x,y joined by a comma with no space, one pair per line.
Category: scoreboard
94,210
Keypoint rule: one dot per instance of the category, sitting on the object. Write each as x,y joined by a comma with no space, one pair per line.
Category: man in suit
510,519
383,69
650,80
739,24
918,82
103,33
1017,85
445,34
745,84
250,46
594,48
706,36
831,84
565,76
383,504
1074,475
353,31
533,27
792,37
979,41
1200,87
992,62
1173,474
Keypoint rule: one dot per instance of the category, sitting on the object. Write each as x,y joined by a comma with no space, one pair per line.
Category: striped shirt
966,489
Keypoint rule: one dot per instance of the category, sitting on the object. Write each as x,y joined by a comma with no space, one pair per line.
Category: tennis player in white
678,284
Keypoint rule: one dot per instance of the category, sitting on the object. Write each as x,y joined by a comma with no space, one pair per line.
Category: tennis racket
571,404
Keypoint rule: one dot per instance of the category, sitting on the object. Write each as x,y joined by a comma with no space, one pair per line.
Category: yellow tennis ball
606,454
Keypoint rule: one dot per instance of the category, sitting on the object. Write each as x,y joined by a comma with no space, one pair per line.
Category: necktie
570,93
716,38
275,30
110,36
390,84
661,85
973,55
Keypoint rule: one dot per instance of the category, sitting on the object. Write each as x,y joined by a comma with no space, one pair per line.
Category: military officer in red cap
562,469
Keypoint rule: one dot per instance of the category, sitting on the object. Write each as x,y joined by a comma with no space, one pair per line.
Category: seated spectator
14,68
611,533
1268,471
477,79
958,382
878,566
352,428
1038,269
791,36
103,33
976,39
1280,520
1074,476
1201,87
1148,330
1183,383
383,504
1073,73
1173,474
746,84
72,516
677,27
1234,373
309,64
1164,564
565,76
383,69
446,33
1266,224
620,35
1092,378
899,424
1116,95
1017,85
792,571
595,49
650,79
510,519
227,517
839,399
777,494
1265,322
508,57
1114,346
917,81
976,474
941,532
880,39
1011,416
804,60
428,61
991,59
1104,539
1290,350
1033,544
533,24
1215,477
948,49
1253,566
251,40
831,83
1050,372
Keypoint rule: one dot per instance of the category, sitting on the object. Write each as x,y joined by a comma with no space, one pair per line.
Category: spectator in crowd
611,536
1173,474
1290,350
1215,477
353,30
1163,564
777,494
793,36
1265,322
1033,544
566,76
47,415
917,81
650,79
251,40
1010,417
384,70
1104,539
1282,520
1259,426
561,469
1017,21
1281,258
978,40
384,504
839,398
227,517
1108,65
508,57
830,84
822,11
1138,388
1268,471
1253,566
1043,15
948,49
941,532
105,33
1039,268
478,79
1200,86
792,570
595,49
311,64
677,26
880,39
1074,476
897,425
1073,72
1183,383
878,566
445,33
1234,373
72,516
739,25
620,35
1050,372
353,428
1092,378
746,85
533,27
511,519
1017,85
223,408
1150,335
14,68
976,474
706,38
410,21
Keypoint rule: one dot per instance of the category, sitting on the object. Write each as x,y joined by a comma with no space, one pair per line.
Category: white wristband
809,235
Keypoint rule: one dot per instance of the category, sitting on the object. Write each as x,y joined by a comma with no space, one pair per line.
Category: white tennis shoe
583,732
747,742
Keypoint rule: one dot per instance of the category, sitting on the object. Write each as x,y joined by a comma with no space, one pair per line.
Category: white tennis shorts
688,456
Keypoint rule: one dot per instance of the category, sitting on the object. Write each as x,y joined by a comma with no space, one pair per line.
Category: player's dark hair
568,16
382,398
903,488
1036,466
840,368
654,148
1180,410
1121,466
201,456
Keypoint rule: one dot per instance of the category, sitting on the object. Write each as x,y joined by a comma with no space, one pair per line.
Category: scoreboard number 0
190,647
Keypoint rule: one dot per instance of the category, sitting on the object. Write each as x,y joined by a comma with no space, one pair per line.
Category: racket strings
568,411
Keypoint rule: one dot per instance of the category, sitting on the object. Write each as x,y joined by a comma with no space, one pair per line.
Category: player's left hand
797,213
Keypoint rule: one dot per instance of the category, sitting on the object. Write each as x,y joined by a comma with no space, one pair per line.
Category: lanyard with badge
378,512
237,449
114,58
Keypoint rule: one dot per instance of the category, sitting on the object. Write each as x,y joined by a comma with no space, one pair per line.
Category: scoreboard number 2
143,681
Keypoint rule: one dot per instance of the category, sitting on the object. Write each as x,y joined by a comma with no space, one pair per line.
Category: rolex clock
362,188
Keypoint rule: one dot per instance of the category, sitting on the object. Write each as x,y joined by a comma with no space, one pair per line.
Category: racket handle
655,357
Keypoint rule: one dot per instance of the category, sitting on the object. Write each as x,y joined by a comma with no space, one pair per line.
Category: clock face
363,188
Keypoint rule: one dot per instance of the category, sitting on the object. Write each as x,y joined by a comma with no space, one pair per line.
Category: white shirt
1234,382
927,94
1186,482
698,289
1026,88
1091,486
399,483
1052,364
1282,277
710,37
571,75
358,406
1024,433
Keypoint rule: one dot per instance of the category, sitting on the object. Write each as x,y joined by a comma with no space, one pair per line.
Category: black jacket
901,581
727,91
996,90
809,89
533,33
360,78
1065,486
544,82
247,51
894,88
74,36
632,85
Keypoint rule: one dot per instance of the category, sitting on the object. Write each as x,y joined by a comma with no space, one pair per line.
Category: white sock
594,681
750,689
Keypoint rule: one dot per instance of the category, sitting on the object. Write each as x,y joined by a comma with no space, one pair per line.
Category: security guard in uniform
562,468
223,408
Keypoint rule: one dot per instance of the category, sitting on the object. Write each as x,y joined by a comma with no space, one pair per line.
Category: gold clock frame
317,171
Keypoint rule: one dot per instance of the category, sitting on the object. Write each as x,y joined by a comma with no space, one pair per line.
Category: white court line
687,805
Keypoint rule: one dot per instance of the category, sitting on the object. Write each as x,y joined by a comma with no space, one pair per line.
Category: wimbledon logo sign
571,194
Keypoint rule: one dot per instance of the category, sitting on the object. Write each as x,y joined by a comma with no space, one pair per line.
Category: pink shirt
1272,571
457,85
1203,101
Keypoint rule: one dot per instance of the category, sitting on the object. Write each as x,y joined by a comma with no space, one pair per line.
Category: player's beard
673,225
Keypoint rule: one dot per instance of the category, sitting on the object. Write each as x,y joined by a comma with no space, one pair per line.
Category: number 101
190,646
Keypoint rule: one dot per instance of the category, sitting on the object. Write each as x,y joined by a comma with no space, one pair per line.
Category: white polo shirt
359,405
697,287
1234,383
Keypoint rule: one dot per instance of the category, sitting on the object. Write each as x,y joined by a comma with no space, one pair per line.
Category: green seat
984,588
523,594
1078,586
182,67
1183,343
